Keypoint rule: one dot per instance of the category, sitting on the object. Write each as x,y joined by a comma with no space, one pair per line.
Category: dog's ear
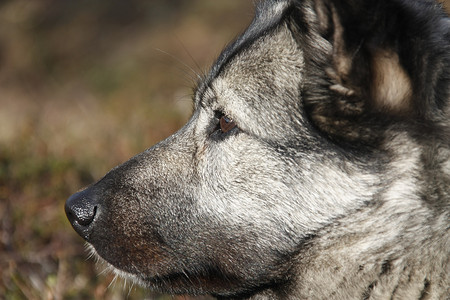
383,59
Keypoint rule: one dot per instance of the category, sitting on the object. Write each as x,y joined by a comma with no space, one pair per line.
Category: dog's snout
81,209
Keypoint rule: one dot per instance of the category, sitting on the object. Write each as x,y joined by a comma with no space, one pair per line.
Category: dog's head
288,135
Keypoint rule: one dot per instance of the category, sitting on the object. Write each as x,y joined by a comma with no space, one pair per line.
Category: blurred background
85,85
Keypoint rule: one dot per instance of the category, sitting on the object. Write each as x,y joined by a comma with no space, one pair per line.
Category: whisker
189,54
198,75
130,289
113,281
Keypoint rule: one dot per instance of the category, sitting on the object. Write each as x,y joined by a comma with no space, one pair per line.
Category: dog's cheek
241,185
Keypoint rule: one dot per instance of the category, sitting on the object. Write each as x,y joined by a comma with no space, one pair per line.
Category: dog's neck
394,248
359,259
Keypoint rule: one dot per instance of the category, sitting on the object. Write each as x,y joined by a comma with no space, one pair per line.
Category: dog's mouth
178,282
106,267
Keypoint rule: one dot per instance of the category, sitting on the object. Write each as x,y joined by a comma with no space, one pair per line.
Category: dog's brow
203,95
198,93
196,98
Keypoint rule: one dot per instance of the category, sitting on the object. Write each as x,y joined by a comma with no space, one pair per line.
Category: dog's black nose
81,209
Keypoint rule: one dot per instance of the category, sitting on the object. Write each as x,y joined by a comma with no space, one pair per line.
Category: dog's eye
226,124
223,124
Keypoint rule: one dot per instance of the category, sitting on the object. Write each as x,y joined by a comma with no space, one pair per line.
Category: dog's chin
109,268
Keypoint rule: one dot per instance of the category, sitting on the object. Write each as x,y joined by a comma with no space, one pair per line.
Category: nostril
89,217
81,215
81,209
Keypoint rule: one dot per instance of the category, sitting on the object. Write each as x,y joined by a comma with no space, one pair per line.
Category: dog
316,164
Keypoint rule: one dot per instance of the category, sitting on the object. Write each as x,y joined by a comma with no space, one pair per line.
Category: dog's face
217,203
220,206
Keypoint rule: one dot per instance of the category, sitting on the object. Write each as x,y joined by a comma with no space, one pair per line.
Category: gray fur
333,184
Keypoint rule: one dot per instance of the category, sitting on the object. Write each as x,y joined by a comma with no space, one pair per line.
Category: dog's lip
117,270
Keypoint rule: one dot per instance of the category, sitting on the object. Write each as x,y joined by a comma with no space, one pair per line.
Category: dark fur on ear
380,62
